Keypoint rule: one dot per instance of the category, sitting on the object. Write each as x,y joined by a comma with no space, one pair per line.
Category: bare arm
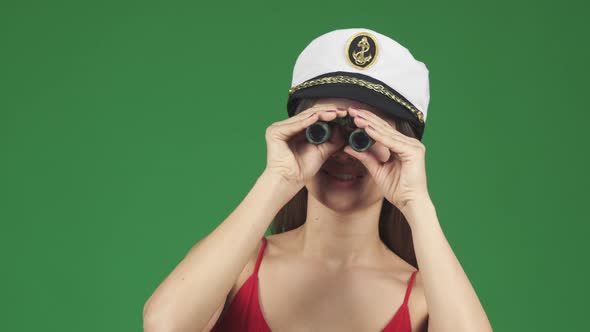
452,302
192,296
198,286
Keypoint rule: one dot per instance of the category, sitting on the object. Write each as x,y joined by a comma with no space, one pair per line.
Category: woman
345,253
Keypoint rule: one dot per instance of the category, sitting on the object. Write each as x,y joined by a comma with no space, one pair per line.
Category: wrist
418,208
278,186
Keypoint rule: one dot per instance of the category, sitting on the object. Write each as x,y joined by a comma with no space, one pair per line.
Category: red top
244,312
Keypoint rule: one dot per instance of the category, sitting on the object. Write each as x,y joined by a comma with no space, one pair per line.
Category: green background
130,130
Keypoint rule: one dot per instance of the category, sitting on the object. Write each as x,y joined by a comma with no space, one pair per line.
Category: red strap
409,289
260,253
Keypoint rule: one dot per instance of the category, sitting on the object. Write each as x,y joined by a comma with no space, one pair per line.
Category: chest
302,300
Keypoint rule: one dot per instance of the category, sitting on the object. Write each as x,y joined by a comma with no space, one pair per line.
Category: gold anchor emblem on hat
359,56
361,50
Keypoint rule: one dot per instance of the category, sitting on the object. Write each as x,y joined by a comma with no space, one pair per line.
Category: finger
299,116
330,106
286,130
334,143
367,159
381,152
379,123
371,118
327,115
324,115
299,137
392,142
319,108
387,134
295,124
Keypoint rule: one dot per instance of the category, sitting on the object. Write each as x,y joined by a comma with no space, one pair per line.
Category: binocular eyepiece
321,131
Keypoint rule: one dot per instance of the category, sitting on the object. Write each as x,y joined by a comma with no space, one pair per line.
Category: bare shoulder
244,275
242,278
247,270
273,242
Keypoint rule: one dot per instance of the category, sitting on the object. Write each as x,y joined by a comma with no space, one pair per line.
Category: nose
342,157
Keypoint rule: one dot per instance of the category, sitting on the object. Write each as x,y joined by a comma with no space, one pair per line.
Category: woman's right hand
290,155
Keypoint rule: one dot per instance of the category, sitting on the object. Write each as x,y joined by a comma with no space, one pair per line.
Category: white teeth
344,176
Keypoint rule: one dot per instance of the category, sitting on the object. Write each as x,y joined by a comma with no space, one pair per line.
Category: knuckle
270,130
422,148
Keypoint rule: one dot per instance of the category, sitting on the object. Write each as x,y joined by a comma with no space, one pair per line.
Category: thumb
335,143
366,158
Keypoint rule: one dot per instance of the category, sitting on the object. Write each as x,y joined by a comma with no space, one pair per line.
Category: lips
354,172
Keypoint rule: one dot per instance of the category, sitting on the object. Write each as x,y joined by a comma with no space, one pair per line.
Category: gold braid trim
353,80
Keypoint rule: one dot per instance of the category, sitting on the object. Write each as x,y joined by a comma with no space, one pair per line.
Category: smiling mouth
342,177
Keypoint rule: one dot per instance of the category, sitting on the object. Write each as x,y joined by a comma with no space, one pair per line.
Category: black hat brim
358,93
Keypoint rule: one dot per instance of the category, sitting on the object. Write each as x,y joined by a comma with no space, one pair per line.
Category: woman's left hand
395,161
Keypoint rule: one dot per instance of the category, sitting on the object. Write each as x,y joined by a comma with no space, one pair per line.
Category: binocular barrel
321,131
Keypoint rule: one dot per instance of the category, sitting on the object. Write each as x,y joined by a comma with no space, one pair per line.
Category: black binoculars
321,131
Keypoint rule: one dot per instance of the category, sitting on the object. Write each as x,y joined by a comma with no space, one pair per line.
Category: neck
341,240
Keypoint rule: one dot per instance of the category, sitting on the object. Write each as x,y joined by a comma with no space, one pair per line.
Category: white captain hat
363,65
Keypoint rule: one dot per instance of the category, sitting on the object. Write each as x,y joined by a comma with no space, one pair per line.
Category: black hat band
339,79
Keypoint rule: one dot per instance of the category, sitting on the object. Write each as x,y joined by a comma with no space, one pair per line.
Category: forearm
453,305
188,297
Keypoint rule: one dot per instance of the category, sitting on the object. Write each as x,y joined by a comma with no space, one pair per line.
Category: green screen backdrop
130,129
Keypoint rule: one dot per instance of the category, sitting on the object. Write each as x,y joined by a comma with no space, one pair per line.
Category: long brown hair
394,230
